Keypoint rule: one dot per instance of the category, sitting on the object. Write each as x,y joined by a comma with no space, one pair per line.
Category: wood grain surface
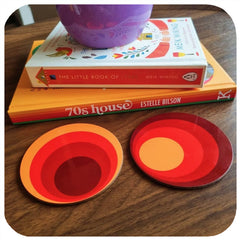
134,205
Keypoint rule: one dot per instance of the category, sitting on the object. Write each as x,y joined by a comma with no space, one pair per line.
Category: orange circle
161,154
45,138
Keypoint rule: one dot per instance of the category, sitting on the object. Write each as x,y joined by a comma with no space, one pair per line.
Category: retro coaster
71,163
181,150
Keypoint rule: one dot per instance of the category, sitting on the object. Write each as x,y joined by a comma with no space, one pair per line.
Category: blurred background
30,14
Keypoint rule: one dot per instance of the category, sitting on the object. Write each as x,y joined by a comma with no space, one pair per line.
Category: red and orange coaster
181,150
71,163
75,162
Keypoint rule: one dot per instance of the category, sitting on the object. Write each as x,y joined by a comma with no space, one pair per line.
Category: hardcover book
167,54
42,104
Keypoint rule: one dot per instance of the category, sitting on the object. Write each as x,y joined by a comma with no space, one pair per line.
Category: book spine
127,105
128,77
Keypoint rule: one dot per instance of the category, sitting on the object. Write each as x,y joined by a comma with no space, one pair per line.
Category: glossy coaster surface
181,150
71,175
71,163
65,147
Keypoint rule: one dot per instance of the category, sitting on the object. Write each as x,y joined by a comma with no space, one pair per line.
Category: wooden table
133,205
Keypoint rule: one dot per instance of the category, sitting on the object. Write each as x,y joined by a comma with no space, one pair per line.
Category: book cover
167,54
42,104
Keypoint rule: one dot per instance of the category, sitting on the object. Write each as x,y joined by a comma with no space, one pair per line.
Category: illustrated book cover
167,54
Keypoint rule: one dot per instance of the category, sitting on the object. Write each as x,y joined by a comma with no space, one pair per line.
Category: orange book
41,104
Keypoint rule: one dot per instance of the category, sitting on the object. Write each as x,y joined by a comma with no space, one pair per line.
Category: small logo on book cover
191,76
224,95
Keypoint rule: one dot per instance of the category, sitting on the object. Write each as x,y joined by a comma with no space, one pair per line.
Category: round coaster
195,138
191,148
71,163
72,150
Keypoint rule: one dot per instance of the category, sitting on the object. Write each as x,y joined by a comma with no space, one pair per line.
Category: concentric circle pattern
181,150
71,163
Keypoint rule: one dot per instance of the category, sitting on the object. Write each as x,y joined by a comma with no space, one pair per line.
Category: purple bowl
104,26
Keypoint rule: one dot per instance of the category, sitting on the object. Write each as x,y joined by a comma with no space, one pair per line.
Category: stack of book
166,66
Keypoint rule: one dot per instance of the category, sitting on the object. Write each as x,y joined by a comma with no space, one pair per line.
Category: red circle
225,153
66,152
67,146
209,145
77,176
211,137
